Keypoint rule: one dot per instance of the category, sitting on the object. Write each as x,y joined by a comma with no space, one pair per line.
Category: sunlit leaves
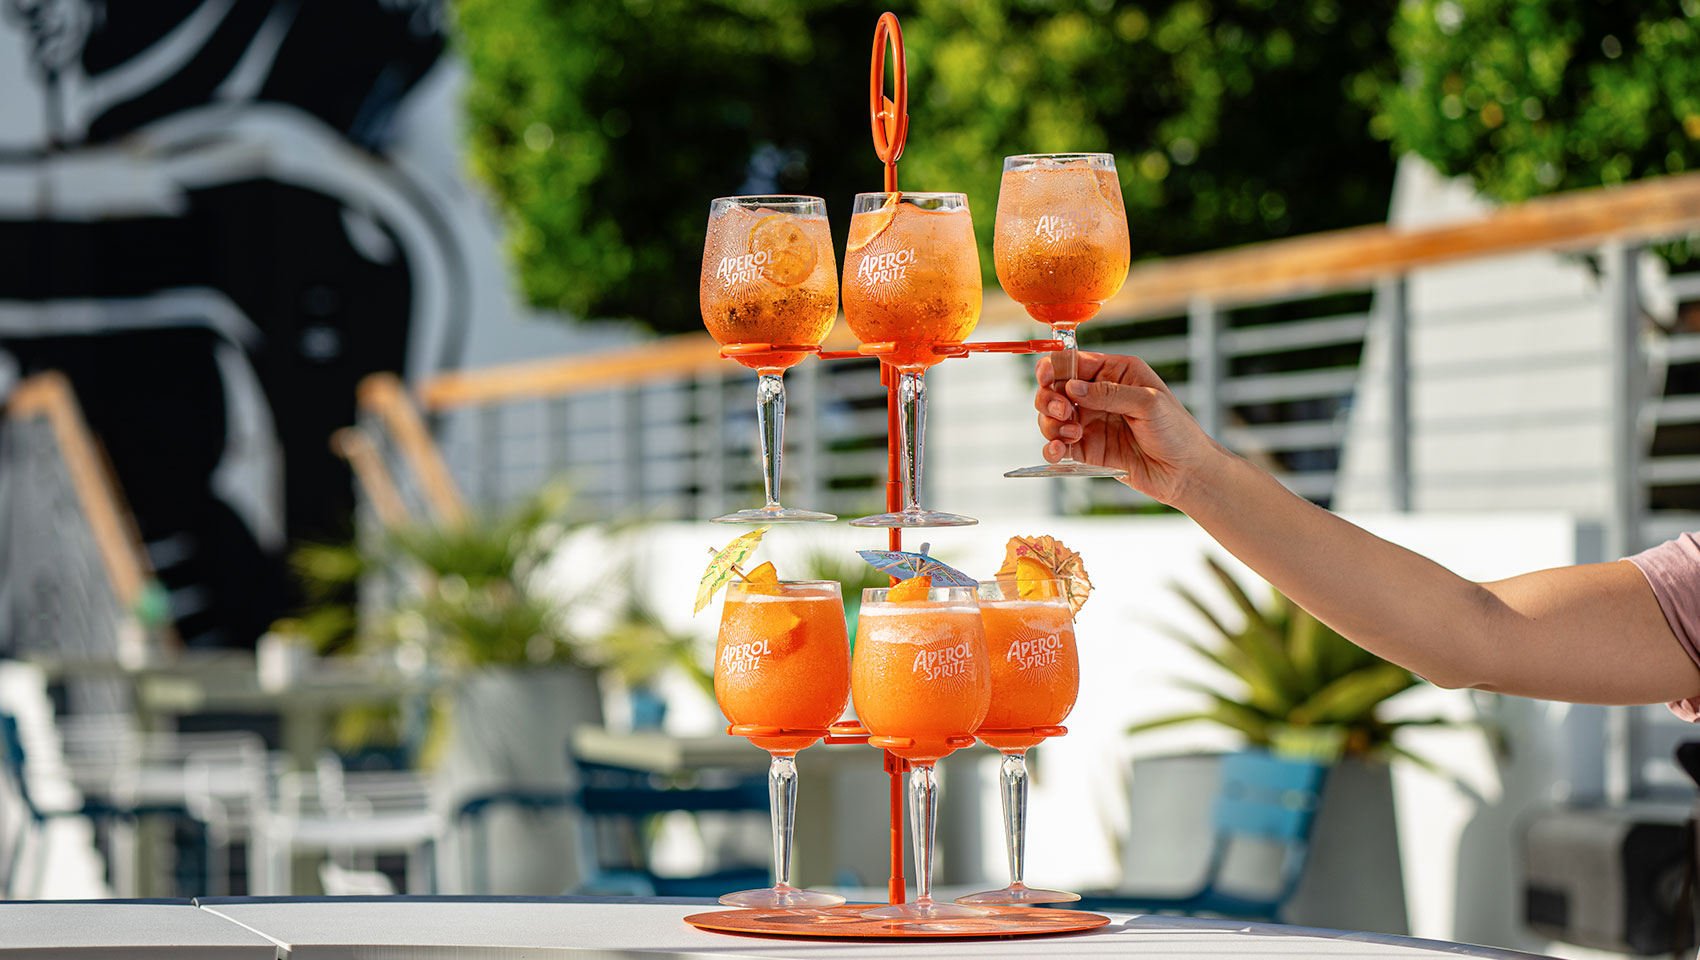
1531,96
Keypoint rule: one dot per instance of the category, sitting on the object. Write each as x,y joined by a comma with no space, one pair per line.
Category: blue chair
618,796
1262,799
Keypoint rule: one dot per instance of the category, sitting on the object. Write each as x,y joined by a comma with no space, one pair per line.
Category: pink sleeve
1673,570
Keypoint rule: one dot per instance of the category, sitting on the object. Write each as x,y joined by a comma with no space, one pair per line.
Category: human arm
1592,633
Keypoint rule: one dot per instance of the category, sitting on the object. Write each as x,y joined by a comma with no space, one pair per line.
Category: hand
1127,418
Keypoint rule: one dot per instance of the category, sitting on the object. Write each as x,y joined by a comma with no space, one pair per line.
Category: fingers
1138,402
1053,451
1102,366
1052,403
1116,368
1064,428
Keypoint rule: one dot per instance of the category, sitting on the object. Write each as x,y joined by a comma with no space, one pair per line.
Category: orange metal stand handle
889,117
731,350
904,743
759,730
1049,731
1015,346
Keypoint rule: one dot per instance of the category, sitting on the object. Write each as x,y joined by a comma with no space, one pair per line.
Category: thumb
1126,399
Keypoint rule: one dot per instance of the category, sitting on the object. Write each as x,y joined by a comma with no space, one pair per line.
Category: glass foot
776,515
915,518
924,910
1067,468
1019,893
784,898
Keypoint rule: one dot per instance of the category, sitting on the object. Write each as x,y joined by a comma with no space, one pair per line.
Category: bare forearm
1592,633
1383,597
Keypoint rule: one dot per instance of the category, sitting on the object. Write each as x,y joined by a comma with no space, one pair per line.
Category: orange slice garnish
864,227
910,590
763,580
1034,580
789,251
1028,560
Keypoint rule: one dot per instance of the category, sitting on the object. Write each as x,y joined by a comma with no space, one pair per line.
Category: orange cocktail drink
1035,669
769,280
1061,250
782,661
911,274
1035,679
768,276
1060,245
920,676
912,286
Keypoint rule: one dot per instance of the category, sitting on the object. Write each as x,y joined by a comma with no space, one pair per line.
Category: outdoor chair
1264,800
615,803
210,781
349,817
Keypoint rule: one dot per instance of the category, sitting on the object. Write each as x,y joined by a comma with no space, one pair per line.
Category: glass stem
1062,364
1014,796
923,813
782,804
770,420
912,424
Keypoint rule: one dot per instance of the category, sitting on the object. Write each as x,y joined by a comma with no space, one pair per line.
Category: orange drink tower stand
889,119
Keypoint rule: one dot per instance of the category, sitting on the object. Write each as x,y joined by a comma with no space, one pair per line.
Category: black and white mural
210,223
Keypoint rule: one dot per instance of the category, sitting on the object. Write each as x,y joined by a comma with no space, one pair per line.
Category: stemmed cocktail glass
769,281
1035,678
1061,249
782,661
912,285
921,682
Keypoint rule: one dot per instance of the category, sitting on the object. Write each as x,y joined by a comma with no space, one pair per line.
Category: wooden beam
384,395
1644,211
353,445
1647,210
49,396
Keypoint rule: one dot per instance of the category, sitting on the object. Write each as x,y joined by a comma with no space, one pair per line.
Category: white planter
1353,880
510,727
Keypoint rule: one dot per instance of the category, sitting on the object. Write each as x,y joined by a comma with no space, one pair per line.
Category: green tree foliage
1531,96
605,128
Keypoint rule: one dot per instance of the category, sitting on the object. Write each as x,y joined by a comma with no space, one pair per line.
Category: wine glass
920,678
912,282
1061,249
782,661
769,280
1035,678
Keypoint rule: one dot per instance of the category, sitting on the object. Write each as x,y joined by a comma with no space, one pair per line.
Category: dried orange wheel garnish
910,590
864,227
790,253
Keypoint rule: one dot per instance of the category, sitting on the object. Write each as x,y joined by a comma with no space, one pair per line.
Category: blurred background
359,430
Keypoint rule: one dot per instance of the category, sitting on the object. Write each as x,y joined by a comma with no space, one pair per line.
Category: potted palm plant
467,604
1290,684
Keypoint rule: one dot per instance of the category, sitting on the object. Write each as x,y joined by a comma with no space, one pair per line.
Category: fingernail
1075,388
1059,409
1071,431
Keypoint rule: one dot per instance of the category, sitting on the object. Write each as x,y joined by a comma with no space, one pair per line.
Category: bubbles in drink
1061,245
768,277
912,276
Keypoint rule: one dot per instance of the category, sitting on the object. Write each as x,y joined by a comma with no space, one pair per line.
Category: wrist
1199,484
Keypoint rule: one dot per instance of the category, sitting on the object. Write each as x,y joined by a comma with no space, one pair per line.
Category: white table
504,928
164,930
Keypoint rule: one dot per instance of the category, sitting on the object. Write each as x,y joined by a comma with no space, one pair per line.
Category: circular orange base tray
846,923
